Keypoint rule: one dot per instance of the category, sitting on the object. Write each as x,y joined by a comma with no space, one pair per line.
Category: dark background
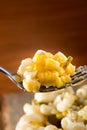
51,25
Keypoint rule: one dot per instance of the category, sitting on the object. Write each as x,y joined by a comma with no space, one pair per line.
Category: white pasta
46,97
64,107
47,109
23,123
26,62
31,109
58,110
35,120
26,127
33,117
67,124
65,102
51,127
29,74
82,92
83,112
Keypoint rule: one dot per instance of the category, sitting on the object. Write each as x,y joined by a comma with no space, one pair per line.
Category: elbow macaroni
59,110
82,92
46,69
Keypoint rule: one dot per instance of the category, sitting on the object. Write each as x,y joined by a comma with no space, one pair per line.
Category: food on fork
46,69
64,109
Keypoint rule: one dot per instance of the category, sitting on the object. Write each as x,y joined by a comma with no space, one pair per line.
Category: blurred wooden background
51,25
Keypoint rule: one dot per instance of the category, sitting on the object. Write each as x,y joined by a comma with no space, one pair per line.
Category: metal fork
14,77
79,77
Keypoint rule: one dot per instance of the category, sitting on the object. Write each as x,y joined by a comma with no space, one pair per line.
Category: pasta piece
35,120
60,57
47,109
46,97
31,85
82,92
51,127
26,64
67,124
83,112
31,109
65,103
26,127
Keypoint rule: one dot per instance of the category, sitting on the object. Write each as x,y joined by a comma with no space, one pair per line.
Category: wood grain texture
51,25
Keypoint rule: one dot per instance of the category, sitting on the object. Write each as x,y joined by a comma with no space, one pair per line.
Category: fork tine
80,71
81,68
80,76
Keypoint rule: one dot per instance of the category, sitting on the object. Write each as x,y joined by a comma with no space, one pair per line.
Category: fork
14,77
79,77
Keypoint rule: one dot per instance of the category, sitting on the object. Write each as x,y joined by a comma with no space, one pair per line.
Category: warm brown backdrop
51,25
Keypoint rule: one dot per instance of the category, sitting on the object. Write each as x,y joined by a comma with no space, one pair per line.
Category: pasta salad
58,110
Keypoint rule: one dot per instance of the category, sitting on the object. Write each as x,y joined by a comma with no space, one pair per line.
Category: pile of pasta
58,110
46,69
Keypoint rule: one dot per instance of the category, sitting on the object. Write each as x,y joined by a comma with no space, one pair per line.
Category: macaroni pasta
46,69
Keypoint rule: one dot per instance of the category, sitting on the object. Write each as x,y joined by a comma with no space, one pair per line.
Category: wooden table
51,25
